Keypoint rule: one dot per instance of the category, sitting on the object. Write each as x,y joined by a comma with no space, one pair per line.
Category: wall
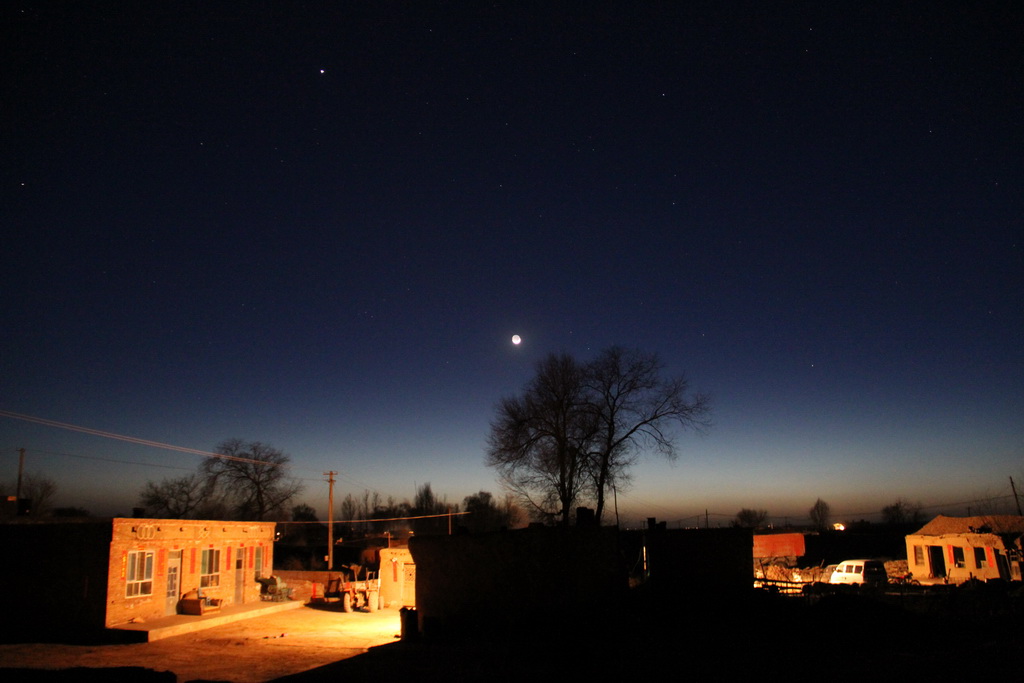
397,578
778,545
55,576
832,547
190,537
503,581
684,564
994,551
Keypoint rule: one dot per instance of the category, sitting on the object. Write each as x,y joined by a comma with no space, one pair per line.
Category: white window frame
139,574
209,572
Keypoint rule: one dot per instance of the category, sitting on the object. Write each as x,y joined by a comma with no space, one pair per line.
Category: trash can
410,624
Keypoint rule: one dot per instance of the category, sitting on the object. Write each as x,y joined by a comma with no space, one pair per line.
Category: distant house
97,574
957,549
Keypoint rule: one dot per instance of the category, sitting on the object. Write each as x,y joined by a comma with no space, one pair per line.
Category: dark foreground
970,632
846,634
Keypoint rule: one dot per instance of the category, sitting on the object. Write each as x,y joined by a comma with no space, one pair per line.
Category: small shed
397,577
957,549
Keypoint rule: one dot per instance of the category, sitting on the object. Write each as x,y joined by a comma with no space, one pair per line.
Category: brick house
92,574
957,549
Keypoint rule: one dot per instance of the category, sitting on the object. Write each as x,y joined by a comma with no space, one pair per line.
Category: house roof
998,524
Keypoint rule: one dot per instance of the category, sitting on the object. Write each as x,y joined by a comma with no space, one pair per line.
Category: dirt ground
249,651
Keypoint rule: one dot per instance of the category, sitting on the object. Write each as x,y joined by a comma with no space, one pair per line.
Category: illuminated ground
249,651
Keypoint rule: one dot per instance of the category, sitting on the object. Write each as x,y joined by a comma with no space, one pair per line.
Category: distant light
839,526
321,70
516,339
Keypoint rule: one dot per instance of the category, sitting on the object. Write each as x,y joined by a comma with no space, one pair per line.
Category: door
240,576
409,584
173,582
1003,565
937,561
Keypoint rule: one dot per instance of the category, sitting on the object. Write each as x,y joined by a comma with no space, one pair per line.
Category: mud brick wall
502,581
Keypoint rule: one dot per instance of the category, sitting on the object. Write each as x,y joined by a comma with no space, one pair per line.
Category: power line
383,519
155,444
130,439
113,460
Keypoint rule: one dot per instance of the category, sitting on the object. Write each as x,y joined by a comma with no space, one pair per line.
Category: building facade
153,562
397,577
958,549
95,574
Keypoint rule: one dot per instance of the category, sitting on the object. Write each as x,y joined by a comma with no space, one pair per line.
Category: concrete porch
178,624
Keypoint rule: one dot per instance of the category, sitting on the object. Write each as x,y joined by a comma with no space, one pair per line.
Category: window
139,576
918,555
958,557
209,573
979,558
259,562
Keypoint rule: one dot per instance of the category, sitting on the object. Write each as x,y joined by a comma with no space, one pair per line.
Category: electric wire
129,439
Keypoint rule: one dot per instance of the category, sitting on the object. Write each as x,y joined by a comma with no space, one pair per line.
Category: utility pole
330,519
21,468
1015,498
615,497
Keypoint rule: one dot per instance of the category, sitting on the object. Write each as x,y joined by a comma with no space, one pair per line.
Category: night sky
318,225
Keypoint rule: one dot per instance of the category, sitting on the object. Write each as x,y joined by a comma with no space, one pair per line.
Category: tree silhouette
254,476
576,429
485,514
820,514
750,519
187,497
902,512
636,409
425,504
37,489
539,441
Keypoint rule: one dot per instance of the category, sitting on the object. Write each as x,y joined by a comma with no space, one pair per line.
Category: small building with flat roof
95,574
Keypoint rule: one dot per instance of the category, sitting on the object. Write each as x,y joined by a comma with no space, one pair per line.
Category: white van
859,571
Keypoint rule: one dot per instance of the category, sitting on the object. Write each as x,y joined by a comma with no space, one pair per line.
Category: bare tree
347,513
539,441
39,489
305,528
426,503
511,513
486,514
635,409
576,430
349,509
902,512
187,497
254,476
820,514
748,518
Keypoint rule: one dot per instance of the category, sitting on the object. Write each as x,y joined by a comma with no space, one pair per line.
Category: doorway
240,576
173,582
937,561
